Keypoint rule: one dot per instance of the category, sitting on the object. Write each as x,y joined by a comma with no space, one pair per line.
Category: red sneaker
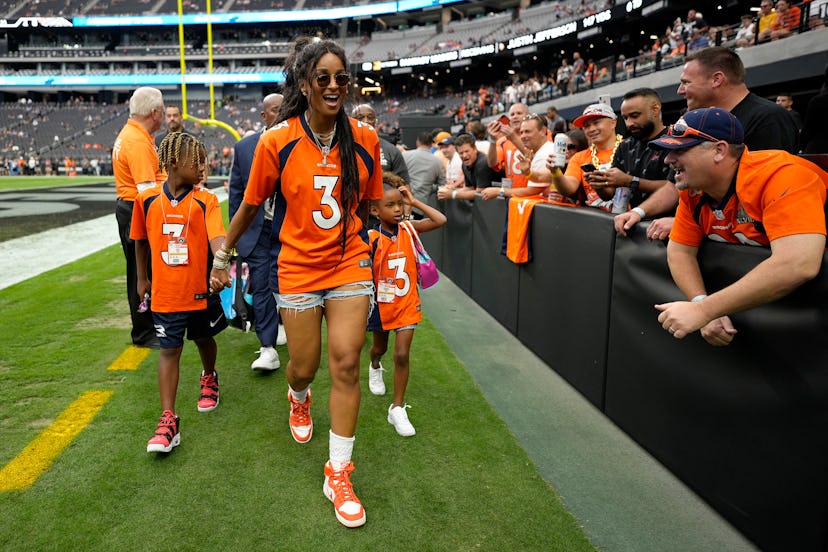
340,491
166,435
301,424
209,398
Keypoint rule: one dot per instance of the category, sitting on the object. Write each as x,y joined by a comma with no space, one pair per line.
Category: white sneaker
375,383
398,418
281,337
268,359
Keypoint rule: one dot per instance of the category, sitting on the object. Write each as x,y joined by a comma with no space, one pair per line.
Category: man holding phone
534,152
587,167
504,153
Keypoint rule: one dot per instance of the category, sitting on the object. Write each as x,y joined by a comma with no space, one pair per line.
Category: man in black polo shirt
636,165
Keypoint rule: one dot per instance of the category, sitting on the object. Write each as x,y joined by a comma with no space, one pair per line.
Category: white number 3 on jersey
327,184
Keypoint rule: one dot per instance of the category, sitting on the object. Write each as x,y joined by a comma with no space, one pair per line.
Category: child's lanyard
177,250
387,288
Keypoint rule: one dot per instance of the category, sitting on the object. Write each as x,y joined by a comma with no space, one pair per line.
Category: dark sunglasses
682,130
342,79
571,147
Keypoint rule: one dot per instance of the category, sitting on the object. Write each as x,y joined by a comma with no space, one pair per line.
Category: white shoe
398,418
268,359
281,337
375,383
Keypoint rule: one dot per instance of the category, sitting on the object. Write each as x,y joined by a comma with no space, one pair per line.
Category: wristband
454,194
491,140
639,211
697,298
219,264
502,193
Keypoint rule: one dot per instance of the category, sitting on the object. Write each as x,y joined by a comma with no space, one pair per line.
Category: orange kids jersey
192,219
134,160
395,263
776,194
308,210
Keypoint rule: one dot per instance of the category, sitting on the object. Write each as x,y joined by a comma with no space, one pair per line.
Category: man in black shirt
715,77
635,165
476,170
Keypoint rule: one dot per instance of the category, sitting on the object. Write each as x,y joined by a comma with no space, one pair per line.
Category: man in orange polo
135,167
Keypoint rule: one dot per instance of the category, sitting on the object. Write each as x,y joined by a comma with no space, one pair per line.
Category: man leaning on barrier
730,194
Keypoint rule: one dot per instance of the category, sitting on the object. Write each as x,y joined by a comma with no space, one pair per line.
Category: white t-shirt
538,164
454,169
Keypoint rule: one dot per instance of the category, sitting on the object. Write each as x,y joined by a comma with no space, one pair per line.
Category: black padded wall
563,300
495,278
457,245
745,425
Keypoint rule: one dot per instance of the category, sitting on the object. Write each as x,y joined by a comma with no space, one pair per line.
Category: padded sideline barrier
745,426
457,243
563,303
494,277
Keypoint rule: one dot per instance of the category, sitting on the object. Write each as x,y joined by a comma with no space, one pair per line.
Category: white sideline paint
32,255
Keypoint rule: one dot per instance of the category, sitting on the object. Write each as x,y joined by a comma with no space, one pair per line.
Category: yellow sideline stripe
23,470
130,359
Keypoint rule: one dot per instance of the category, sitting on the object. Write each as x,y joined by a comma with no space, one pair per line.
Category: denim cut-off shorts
313,299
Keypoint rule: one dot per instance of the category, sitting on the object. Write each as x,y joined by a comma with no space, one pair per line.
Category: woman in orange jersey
324,168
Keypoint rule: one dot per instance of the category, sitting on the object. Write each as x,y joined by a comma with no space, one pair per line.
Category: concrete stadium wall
745,426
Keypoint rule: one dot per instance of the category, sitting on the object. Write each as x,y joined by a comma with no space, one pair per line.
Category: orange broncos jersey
776,194
508,157
518,238
395,261
308,209
194,216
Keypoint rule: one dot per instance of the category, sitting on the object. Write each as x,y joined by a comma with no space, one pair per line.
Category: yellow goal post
212,121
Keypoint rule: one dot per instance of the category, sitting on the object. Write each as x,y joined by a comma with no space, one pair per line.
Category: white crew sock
340,449
300,396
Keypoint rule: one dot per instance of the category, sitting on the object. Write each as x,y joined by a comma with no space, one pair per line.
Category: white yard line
32,255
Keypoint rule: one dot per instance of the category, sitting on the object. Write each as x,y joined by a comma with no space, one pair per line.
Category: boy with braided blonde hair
181,224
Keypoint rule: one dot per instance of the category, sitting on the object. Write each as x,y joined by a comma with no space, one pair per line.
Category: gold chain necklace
593,150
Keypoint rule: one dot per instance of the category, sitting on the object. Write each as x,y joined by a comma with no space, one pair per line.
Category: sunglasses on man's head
683,130
530,116
341,79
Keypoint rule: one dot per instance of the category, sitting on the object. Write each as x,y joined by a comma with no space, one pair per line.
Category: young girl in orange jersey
324,168
179,225
398,300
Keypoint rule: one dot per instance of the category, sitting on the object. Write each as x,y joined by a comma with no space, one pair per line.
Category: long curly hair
300,67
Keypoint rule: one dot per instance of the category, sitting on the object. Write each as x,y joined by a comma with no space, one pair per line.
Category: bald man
258,244
390,157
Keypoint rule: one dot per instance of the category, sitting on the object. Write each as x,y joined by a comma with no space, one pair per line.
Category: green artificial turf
239,481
